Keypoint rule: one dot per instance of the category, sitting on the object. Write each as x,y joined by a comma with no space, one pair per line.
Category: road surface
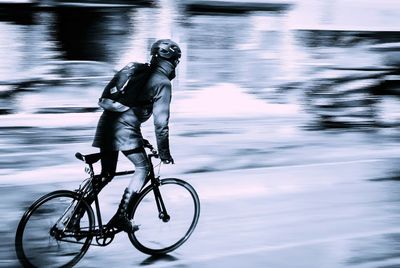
332,214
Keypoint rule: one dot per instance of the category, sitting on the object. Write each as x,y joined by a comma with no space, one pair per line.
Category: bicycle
164,214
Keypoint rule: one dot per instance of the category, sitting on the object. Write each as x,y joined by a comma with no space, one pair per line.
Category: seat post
91,171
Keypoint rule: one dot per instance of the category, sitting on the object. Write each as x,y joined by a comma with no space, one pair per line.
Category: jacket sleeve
161,112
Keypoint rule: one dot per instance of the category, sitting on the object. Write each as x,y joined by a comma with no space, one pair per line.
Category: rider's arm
161,112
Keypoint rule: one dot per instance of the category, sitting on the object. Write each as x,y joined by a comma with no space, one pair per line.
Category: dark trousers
109,160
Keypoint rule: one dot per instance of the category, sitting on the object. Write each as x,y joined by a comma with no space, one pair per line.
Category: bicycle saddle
89,158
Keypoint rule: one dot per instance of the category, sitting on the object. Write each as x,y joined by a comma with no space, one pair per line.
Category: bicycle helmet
166,48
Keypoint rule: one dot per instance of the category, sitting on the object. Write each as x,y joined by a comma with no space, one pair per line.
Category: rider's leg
109,161
142,168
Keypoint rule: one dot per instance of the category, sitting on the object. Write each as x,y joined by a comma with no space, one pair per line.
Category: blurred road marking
73,172
328,163
210,257
264,181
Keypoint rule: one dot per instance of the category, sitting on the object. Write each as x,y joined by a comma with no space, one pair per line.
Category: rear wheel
161,233
46,235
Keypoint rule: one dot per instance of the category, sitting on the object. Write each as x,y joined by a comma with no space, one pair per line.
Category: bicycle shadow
153,259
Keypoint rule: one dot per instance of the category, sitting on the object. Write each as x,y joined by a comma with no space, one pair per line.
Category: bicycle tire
153,246
39,212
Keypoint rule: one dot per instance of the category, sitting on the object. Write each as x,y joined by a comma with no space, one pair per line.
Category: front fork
155,182
162,211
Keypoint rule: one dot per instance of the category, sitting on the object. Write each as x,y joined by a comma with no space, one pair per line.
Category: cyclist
121,131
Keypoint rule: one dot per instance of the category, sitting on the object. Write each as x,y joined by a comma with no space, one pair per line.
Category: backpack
123,90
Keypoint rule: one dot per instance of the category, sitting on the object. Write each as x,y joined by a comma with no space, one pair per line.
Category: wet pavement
332,214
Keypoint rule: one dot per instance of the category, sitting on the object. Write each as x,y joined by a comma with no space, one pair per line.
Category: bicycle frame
72,219
154,182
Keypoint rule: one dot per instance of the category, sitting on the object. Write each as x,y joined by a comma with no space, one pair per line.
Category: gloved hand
167,160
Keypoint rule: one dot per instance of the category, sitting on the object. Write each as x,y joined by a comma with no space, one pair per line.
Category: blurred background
285,117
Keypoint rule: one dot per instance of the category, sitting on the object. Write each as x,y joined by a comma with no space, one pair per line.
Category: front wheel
163,231
46,235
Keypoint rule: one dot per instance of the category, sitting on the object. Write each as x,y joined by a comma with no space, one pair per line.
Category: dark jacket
121,131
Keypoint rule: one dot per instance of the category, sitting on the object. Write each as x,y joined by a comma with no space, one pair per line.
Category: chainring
107,237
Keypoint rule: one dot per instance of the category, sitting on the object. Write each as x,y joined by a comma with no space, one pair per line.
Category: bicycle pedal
135,227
